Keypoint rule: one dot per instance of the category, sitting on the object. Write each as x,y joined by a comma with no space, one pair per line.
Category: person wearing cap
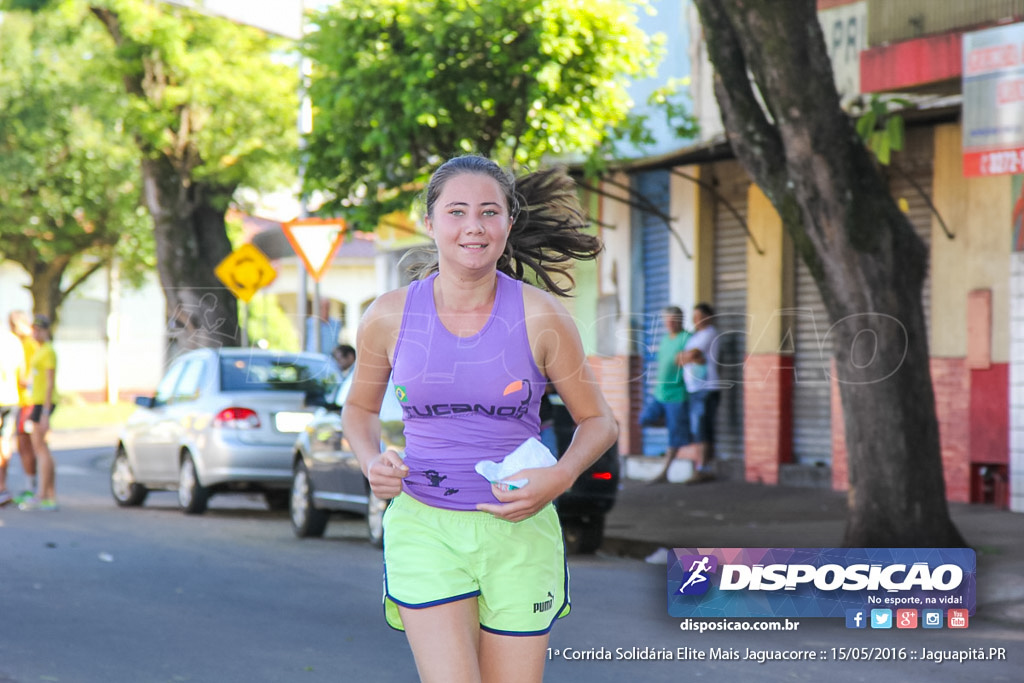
43,370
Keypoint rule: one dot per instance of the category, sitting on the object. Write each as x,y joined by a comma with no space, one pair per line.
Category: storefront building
780,420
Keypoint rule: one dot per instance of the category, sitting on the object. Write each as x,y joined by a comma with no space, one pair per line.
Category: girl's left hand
543,486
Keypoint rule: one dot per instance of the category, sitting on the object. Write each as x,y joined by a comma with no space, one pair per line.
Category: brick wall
951,383
767,415
840,467
612,373
989,415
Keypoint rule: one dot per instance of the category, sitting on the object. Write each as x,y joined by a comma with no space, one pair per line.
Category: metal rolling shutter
654,237
812,398
730,303
812,357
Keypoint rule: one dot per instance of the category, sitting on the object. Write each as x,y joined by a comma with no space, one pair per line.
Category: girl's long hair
547,222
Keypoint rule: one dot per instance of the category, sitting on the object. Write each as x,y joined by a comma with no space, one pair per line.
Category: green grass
75,415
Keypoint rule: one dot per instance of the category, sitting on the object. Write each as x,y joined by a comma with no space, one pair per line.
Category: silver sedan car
221,420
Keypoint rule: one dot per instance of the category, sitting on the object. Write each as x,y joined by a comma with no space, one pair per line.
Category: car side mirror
146,401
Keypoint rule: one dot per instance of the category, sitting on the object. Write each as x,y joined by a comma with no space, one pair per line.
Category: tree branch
84,276
928,200
644,204
112,23
754,139
718,196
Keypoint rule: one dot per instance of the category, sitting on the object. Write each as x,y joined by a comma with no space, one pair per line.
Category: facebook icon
856,618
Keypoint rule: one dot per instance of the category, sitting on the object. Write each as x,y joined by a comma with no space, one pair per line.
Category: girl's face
470,222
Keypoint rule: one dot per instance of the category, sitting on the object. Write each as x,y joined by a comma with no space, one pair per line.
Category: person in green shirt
668,402
43,371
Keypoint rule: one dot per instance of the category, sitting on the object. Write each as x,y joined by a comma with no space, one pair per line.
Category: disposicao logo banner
817,582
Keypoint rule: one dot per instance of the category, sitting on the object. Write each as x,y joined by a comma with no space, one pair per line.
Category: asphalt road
98,594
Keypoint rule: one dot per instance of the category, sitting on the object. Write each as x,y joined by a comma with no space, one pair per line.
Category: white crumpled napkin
528,454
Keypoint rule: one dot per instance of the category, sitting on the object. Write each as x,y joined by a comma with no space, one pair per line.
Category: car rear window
277,373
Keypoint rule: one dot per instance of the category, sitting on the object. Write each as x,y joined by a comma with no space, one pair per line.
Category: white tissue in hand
530,453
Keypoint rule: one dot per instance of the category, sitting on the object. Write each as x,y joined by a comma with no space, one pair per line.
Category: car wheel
307,521
375,508
583,536
126,491
192,496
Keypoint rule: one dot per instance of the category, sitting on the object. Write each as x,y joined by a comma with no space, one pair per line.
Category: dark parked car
583,507
327,477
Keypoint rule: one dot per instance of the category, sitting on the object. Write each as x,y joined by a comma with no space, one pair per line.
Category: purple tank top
464,399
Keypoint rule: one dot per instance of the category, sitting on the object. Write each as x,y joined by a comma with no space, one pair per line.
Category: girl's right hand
385,474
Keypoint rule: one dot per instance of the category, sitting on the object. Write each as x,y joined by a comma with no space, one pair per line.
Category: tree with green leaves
69,181
781,112
399,86
212,107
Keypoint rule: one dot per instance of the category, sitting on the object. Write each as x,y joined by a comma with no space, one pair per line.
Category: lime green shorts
515,570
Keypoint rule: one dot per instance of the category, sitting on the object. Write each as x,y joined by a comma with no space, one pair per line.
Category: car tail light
237,418
603,476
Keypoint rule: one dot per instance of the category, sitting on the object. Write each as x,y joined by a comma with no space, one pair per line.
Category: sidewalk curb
87,437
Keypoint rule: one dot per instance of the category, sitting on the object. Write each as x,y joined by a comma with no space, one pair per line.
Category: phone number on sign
999,163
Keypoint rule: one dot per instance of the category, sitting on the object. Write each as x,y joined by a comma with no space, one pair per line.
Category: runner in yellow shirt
43,369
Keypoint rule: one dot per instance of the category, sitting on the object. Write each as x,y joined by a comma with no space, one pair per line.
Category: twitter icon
881,618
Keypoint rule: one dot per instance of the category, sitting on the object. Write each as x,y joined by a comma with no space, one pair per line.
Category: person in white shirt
700,372
12,369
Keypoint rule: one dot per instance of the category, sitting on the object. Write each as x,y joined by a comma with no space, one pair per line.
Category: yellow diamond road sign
245,271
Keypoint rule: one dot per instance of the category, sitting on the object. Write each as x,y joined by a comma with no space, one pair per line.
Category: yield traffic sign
315,241
245,271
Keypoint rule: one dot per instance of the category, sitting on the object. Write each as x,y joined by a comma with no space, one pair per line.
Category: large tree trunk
46,271
868,263
188,216
191,240
45,285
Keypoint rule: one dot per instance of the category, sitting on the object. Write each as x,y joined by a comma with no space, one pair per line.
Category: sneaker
5,498
46,505
24,497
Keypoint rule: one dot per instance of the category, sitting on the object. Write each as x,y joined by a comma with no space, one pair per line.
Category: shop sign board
993,101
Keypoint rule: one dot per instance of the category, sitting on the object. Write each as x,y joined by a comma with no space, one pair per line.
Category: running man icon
696,570
697,582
